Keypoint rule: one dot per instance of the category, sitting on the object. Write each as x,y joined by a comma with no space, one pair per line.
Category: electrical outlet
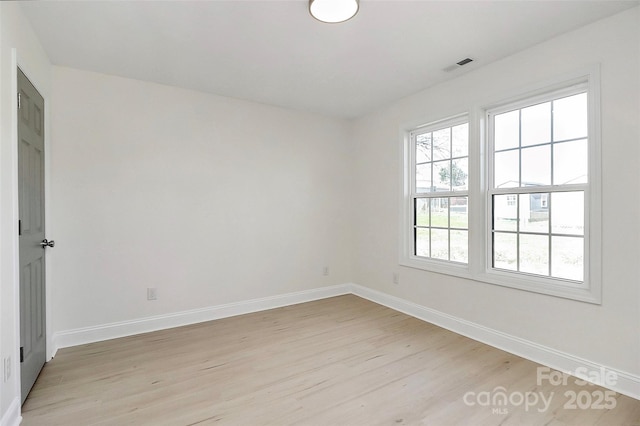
152,293
325,271
7,369
396,278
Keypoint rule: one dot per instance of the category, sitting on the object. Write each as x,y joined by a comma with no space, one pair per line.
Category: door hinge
21,353
19,100
19,227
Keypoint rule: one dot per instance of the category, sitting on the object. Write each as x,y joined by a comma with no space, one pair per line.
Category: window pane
459,212
460,174
422,212
536,124
507,130
422,242
567,254
534,213
423,178
505,212
459,246
506,169
567,213
440,212
570,162
536,166
570,117
505,250
423,148
440,244
460,140
442,144
534,254
442,175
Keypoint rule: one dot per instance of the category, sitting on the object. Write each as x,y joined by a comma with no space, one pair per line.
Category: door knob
47,243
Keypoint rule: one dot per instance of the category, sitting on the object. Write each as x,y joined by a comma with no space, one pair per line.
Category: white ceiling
274,52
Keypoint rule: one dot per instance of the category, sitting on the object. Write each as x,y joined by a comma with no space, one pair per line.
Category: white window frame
408,257
479,267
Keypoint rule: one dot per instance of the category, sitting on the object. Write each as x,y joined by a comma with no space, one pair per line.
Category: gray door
31,230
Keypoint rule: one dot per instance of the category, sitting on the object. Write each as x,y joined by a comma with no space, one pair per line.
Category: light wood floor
338,361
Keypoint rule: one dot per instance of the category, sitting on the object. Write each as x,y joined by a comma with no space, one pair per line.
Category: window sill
540,285
441,267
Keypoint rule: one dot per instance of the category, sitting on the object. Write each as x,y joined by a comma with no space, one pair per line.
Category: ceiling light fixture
333,11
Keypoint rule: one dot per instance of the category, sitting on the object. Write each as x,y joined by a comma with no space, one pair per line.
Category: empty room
320,212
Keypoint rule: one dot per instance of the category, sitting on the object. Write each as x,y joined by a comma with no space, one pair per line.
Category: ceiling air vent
457,65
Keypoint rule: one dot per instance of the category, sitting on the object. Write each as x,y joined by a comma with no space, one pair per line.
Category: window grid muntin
551,143
430,226
549,234
432,162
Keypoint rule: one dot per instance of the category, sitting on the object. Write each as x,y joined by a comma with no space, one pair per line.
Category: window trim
479,267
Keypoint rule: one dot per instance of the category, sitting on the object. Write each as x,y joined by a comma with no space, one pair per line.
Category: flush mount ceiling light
333,11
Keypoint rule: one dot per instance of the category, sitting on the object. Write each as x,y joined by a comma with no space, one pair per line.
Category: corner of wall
12,416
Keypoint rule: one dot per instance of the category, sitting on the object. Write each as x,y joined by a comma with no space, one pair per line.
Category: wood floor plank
337,361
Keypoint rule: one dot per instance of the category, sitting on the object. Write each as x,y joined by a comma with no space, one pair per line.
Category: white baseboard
627,383
12,416
99,333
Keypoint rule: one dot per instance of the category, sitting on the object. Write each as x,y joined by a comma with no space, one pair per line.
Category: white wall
209,199
607,334
18,47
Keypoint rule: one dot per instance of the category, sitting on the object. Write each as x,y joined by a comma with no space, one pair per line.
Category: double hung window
539,178
440,191
509,194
